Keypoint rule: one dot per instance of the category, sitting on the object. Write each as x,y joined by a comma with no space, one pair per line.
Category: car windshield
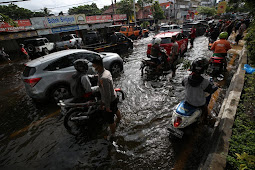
123,29
91,35
66,38
165,40
164,28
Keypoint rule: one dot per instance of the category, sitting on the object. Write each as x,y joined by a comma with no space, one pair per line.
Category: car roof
54,56
166,34
34,39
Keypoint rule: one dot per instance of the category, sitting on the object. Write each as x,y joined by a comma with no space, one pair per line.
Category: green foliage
14,12
242,143
157,11
85,9
4,18
206,10
126,7
145,24
243,6
250,42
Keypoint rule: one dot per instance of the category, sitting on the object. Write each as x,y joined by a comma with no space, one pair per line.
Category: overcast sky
58,5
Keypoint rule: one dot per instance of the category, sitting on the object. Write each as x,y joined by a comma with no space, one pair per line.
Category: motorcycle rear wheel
74,127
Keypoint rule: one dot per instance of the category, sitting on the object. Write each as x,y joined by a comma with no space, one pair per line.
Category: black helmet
81,65
199,65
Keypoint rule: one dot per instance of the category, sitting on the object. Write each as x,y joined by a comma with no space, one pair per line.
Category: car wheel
60,92
116,69
46,51
132,37
30,48
146,34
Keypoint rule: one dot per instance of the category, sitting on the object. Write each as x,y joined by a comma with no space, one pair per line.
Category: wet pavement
33,135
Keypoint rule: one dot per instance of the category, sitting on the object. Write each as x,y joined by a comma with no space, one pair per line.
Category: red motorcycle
217,64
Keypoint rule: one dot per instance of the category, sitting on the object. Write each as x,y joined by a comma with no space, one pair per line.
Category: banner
39,22
44,32
57,21
23,25
80,19
119,17
18,35
98,19
65,29
222,7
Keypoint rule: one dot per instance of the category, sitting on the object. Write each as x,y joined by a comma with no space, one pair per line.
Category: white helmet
157,40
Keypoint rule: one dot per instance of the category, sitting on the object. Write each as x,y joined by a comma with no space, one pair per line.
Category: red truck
166,42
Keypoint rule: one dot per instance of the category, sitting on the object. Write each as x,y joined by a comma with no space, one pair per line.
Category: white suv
49,77
39,45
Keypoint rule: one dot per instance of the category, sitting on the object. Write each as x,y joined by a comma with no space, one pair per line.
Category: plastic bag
249,69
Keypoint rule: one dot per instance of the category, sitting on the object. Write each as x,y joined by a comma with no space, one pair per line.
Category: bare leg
118,116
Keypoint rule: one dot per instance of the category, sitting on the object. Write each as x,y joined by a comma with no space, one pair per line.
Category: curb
216,158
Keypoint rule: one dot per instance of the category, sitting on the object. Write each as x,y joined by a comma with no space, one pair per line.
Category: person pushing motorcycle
196,86
221,47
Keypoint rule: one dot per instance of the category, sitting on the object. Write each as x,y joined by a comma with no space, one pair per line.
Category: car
92,37
200,28
70,41
182,41
170,28
133,32
40,46
49,77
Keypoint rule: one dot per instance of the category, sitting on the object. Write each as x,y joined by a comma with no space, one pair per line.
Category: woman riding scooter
196,86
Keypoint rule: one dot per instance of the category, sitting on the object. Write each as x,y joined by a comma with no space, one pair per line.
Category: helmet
157,40
223,35
81,65
199,65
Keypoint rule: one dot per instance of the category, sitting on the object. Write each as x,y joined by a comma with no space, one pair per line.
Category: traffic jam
120,96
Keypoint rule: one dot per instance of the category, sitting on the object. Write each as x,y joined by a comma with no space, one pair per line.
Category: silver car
49,77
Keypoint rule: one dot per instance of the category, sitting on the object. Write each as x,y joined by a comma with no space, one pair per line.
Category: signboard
83,27
23,25
119,17
44,32
98,19
65,29
222,7
39,22
18,35
57,21
80,19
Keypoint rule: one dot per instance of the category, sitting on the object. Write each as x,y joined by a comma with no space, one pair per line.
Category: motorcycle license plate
176,132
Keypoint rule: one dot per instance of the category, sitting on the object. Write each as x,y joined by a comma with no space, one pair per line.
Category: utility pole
134,12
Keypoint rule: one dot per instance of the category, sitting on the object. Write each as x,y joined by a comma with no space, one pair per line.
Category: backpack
76,86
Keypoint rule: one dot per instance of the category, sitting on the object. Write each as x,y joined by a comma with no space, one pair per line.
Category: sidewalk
223,127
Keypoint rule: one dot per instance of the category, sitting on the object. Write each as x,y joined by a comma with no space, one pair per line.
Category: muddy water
32,135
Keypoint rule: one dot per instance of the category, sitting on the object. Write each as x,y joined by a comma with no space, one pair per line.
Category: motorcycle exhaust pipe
79,118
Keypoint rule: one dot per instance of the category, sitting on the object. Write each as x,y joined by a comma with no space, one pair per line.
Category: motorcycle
217,65
150,66
210,43
80,118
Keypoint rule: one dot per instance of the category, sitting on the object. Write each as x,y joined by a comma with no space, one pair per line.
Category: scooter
217,65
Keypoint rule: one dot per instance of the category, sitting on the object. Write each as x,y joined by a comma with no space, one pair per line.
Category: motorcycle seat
185,109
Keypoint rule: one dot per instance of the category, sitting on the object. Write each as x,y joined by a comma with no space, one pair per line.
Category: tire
133,37
60,92
74,127
116,69
30,48
146,34
45,51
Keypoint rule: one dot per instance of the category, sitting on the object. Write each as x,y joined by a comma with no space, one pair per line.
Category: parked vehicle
170,28
83,118
200,28
166,42
92,37
134,32
40,46
49,77
70,40
123,44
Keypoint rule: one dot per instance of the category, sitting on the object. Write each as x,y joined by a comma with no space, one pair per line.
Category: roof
166,34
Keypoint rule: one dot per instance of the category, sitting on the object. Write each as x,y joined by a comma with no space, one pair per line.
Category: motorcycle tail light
70,41
32,82
177,122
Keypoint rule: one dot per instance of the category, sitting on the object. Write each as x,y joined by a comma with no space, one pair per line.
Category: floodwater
33,136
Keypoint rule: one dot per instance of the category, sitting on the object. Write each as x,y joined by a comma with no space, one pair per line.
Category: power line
7,2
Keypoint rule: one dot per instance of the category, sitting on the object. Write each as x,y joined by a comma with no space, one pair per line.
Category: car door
89,56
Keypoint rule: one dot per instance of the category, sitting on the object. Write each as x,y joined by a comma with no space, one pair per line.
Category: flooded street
33,135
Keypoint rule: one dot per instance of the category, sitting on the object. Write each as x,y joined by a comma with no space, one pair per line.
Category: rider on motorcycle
159,55
196,86
80,84
221,46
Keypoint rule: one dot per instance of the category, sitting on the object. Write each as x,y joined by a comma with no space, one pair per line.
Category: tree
85,9
243,6
126,7
14,12
4,18
206,10
157,12
61,13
